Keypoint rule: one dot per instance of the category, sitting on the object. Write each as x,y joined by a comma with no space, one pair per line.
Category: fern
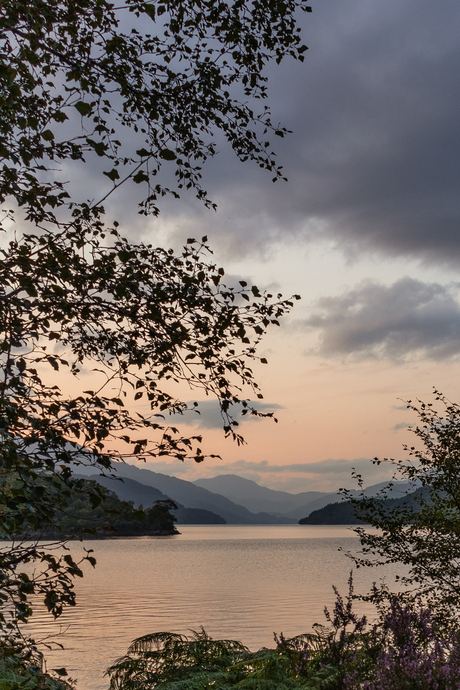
167,661
321,660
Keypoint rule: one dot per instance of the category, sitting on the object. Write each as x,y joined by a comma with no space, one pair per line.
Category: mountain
192,496
140,494
254,497
229,497
129,490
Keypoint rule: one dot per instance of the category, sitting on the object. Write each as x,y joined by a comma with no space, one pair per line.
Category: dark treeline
347,512
111,517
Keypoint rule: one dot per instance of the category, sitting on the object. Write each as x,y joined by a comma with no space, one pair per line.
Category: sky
366,230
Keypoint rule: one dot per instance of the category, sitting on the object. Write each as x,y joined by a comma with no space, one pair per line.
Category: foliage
415,654
162,658
146,320
23,670
139,91
421,533
138,85
403,649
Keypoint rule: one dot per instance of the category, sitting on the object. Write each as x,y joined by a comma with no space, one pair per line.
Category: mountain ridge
282,503
254,504
192,496
145,496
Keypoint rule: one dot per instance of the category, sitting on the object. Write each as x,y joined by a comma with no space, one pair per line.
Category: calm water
238,582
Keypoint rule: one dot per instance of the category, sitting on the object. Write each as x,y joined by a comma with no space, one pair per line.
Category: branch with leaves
144,88
422,533
139,85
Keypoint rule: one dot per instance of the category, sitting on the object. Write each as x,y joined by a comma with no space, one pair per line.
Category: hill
192,496
344,513
112,517
146,496
254,497
223,499
333,514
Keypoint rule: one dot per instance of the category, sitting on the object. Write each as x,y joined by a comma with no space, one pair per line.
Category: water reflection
238,582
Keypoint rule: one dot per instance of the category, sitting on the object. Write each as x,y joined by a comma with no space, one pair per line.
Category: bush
415,654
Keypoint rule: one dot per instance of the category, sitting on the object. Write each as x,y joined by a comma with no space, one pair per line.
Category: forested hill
112,517
332,514
344,513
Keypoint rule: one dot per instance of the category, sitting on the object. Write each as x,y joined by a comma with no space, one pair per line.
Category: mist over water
239,582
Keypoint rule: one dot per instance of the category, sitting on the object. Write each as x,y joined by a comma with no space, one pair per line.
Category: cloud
208,416
325,475
402,425
373,161
409,318
329,466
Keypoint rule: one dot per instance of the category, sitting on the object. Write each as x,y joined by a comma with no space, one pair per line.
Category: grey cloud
406,319
402,425
374,159
329,466
208,416
326,475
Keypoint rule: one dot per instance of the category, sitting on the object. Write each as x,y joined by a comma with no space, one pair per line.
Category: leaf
60,671
112,174
140,176
59,116
150,10
168,155
124,256
83,108
99,147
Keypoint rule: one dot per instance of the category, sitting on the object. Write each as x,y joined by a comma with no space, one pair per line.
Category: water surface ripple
238,582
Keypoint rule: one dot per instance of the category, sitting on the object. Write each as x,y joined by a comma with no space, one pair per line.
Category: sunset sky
366,230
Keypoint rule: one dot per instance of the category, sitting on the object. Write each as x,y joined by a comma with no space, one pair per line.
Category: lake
239,582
